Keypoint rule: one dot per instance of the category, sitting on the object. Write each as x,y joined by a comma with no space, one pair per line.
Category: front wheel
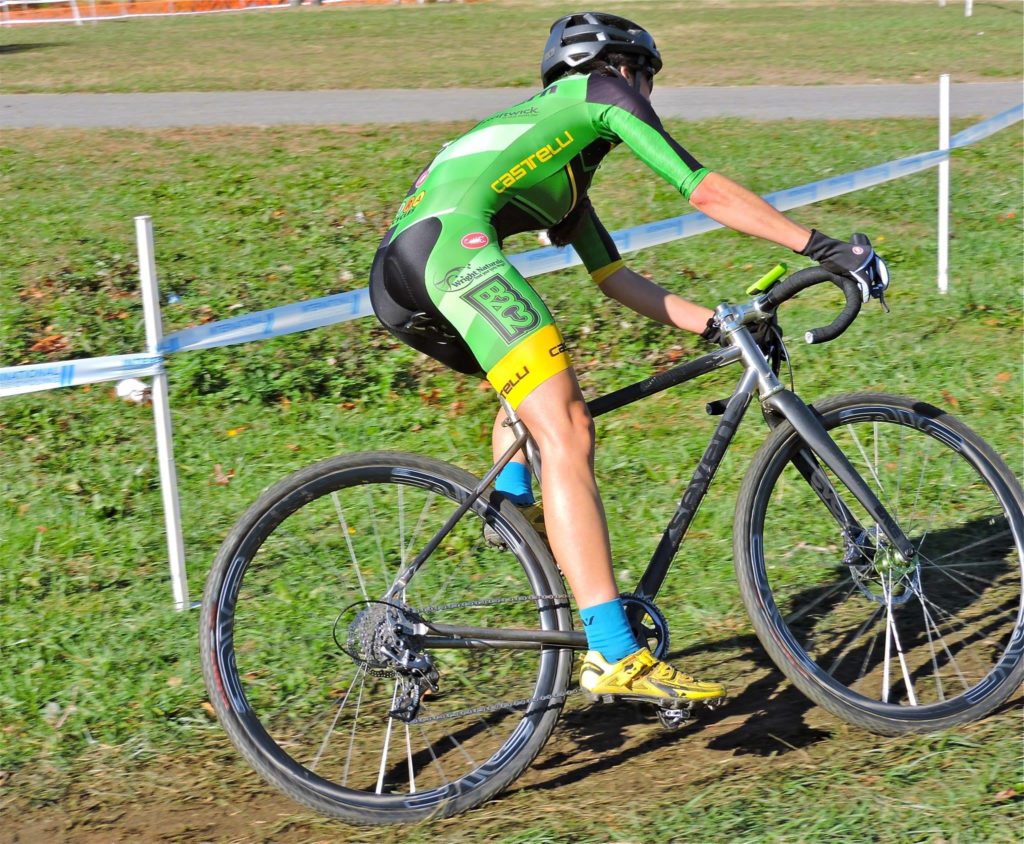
315,678
892,646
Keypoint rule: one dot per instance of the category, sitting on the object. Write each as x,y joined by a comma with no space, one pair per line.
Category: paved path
414,106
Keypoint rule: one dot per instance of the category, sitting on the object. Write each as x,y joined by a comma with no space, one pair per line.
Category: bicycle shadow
772,713
9,49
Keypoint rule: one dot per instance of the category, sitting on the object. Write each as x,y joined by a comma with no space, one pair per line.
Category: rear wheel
296,642
890,646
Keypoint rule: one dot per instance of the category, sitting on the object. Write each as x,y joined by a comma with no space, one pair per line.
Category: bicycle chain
491,707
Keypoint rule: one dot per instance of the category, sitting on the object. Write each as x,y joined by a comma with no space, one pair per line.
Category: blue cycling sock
608,631
516,483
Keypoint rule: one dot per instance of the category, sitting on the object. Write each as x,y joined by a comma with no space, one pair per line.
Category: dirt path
599,760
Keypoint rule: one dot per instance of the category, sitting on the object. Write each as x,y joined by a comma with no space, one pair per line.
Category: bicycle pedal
676,718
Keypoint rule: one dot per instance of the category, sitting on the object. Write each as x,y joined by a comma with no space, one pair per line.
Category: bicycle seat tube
519,429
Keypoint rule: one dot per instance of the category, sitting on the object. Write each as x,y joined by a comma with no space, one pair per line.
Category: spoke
969,546
347,533
387,740
920,479
463,751
888,644
376,536
931,650
419,525
876,463
939,503
401,523
352,732
337,715
430,749
899,475
856,636
408,755
899,648
952,659
872,466
800,613
870,651
945,571
986,581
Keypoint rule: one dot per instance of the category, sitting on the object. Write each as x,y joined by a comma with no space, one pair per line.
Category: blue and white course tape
341,307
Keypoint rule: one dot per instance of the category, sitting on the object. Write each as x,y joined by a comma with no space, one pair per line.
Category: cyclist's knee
558,418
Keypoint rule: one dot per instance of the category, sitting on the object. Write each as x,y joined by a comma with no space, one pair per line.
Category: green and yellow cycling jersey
526,168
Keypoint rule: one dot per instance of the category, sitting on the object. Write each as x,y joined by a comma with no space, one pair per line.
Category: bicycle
878,546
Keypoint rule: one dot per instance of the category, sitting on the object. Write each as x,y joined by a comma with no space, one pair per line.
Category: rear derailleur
382,639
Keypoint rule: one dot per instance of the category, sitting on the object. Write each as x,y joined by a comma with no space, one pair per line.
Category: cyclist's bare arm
732,205
654,301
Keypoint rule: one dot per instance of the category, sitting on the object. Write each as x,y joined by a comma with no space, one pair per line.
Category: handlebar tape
803,279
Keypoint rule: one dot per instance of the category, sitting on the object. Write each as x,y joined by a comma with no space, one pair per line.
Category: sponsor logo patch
458,277
410,205
503,307
523,168
514,381
476,240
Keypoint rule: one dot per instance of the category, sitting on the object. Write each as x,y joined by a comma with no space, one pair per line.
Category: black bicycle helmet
580,38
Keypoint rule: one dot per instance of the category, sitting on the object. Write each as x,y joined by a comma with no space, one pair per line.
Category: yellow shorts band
529,364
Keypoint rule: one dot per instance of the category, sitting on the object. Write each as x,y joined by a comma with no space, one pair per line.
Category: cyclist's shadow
772,714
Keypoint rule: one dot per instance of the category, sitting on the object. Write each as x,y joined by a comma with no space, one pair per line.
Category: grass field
102,702
704,42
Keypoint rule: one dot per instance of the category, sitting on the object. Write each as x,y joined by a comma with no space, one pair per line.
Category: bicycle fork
788,405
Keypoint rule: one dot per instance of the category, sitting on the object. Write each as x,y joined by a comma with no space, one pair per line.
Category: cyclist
441,284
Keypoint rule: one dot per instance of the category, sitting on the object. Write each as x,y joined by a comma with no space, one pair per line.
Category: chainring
651,628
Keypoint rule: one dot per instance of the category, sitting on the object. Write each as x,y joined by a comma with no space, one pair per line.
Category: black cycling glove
765,333
856,260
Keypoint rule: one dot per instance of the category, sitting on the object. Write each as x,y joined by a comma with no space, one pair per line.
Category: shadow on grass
24,48
771,713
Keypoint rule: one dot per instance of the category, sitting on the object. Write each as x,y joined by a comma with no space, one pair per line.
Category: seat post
519,429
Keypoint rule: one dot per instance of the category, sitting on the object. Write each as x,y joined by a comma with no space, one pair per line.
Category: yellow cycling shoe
641,676
534,515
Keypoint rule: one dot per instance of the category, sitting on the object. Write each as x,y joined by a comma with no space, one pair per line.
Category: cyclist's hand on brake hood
856,260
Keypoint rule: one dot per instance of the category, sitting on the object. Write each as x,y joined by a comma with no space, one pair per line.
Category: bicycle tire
273,627
938,644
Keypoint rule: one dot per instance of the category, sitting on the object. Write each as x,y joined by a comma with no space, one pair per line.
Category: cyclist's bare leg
560,422
558,419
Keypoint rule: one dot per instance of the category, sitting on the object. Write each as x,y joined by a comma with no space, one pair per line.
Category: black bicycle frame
782,404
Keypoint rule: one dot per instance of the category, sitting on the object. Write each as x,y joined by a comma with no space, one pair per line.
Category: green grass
747,42
97,672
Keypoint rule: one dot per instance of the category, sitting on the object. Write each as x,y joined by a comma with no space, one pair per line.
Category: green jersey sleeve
623,116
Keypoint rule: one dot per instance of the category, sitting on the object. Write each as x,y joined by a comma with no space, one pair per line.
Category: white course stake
968,8
943,235
162,412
